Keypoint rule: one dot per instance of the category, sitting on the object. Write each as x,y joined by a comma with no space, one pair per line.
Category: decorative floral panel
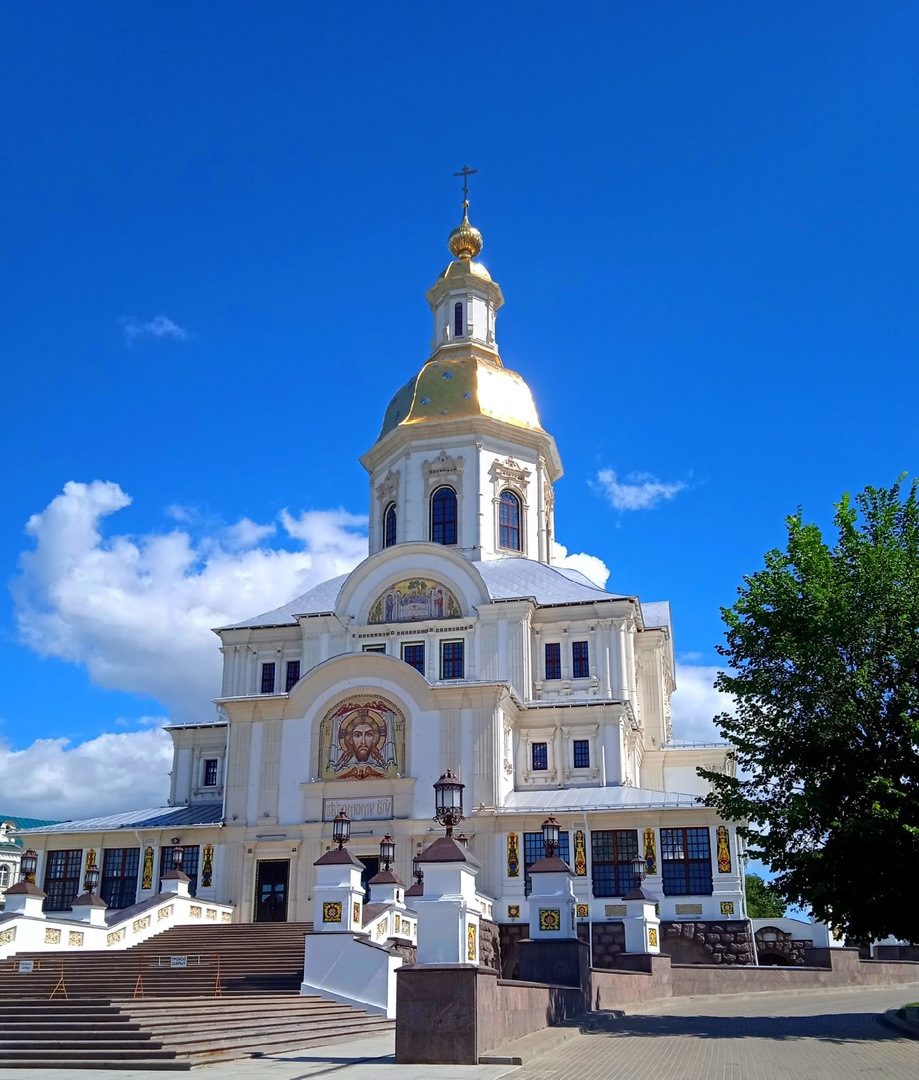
52,936
210,914
194,911
164,912
75,938
115,936
207,867
513,855
580,854
513,911
356,913
650,852
550,919
146,880
362,738
414,599
140,924
226,916
727,907
398,925
471,953
724,851
331,911
381,929
652,936
6,936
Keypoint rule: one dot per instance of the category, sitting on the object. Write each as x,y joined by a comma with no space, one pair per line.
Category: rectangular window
377,646
580,662
582,753
293,675
612,851
553,660
452,659
210,772
118,885
534,849
540,756
414,656
686,862
62,879
190,859
268,678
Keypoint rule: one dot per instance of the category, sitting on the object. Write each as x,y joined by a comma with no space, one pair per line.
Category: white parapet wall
26,933
351,969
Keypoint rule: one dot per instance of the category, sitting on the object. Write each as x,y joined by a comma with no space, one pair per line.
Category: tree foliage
763,902
823,648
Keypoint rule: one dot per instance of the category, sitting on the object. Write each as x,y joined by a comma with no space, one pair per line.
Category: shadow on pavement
827,1027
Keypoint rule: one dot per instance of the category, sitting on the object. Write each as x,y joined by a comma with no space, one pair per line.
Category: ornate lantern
92,877
341,828
387,851
639,869
28,865
550,834
417,872
178,857
448,801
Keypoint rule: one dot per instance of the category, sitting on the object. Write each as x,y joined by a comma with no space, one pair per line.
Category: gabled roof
157,817
10,843
505,579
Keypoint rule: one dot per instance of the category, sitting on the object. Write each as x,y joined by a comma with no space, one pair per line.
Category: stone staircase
133,1010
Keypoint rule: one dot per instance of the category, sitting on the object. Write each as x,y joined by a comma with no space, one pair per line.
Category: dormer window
443,516
389,525
457,320
509,521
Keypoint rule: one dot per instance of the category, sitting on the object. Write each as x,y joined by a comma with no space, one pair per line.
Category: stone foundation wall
489,944
608,943
707,942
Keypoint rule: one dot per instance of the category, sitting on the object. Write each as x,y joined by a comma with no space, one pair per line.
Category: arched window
457,320
389,525
509,521
443,516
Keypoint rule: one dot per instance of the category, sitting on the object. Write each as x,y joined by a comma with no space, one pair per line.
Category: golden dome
448,388
465,242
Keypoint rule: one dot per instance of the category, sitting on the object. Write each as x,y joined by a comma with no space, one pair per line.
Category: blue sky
220,223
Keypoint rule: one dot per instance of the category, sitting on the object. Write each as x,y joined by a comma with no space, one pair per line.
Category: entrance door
371,869
271,878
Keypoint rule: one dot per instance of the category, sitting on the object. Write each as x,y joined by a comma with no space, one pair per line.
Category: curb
892,1020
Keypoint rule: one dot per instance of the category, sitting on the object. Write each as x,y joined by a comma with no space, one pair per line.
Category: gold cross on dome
465,172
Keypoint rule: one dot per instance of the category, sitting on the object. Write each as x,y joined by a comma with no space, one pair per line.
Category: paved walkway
813,1035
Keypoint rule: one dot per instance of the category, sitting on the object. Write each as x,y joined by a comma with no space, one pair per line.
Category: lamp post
387,852
28,865
448,801
178,857
639,869
417,872
341,828
550,835
92,878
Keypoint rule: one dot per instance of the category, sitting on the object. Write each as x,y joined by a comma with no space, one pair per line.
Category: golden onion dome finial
465,242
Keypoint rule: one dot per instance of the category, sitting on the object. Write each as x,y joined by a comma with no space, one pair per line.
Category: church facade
456,644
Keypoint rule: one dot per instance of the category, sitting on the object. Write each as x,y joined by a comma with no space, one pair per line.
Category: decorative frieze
140,924
75,938
52,936
164,913
115,936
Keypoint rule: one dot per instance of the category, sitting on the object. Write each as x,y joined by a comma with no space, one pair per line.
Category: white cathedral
456,644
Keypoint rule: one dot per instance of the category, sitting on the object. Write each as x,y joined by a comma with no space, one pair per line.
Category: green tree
823,648
762,900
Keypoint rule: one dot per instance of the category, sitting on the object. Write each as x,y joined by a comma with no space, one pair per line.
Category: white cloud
137,611
696,702
158,327
637,491
590,566
105,775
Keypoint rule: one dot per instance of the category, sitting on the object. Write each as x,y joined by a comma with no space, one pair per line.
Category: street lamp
387,851
550,834
448,800
28,865
178,857
341,828
92,878
639,869
417,872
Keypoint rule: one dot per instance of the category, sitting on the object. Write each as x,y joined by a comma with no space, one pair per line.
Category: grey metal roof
505,579
656,613
319,599
596,798
514,579
157,817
